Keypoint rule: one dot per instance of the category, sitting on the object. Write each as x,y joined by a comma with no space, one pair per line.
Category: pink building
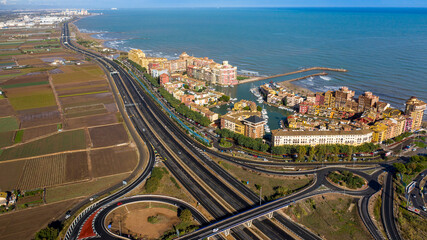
164,78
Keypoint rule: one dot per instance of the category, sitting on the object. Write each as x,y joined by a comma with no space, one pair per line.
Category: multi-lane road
226,199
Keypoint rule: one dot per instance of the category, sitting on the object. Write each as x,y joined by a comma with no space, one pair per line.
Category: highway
387,212
73,231
207,201
188,161
418,196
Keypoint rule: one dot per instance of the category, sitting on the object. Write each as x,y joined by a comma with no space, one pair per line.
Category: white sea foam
326,78
248,72
83,30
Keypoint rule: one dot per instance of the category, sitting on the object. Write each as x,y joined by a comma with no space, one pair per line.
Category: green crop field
79,74
18,136
35,100
8,124
10,75
65,141
25,84
6,138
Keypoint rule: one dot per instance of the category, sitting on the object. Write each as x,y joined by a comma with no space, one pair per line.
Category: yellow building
379,132
415,108
139,57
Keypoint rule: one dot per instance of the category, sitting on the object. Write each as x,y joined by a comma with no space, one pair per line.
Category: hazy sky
102,4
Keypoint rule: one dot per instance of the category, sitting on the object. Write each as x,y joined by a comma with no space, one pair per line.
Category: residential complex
356,137
138,56
203,69
335,112
415,109
245,120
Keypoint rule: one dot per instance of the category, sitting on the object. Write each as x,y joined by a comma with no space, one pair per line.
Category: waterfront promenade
254,79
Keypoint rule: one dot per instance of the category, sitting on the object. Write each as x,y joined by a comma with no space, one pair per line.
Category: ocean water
384,50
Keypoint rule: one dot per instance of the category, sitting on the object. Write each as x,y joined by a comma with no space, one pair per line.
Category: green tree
311,153
400,167
259,108
48,233
285,101
302,150
185,215
224,98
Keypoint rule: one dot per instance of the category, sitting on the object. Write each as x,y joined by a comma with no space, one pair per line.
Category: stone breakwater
254,79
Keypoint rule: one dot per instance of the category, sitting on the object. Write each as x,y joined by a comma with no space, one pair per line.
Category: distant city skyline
102,4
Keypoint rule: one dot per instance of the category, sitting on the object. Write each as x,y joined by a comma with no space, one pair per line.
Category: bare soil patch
25,223
113,160
84,85
5,108
90,121
30,61
108,135
76,167
135,222
39,116
31,133
105,97
9,174
111,107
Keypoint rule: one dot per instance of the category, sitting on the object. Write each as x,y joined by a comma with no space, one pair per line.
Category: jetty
254,79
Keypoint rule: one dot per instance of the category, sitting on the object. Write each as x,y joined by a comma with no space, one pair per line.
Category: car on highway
119,203
68,214
424,208
215,230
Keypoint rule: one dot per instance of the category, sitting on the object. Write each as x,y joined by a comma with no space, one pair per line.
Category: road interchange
170,140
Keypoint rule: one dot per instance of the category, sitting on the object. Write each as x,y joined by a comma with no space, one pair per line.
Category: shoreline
88,36
296,88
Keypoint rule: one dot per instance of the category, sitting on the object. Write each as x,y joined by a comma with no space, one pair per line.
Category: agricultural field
39,116
24,224
8,124
6,138
31,97
99,135
40,172
92,86
60,193
64,141
44,171
10,172
85,110
83,99
34,77
31,133
78,74
113,160
5,108
77,168
90,121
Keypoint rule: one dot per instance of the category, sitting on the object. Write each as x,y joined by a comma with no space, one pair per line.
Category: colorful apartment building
254,126
246,123
312,138
139,57
415,109
164,78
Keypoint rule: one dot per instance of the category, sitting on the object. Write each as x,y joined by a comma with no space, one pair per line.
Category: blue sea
384,50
